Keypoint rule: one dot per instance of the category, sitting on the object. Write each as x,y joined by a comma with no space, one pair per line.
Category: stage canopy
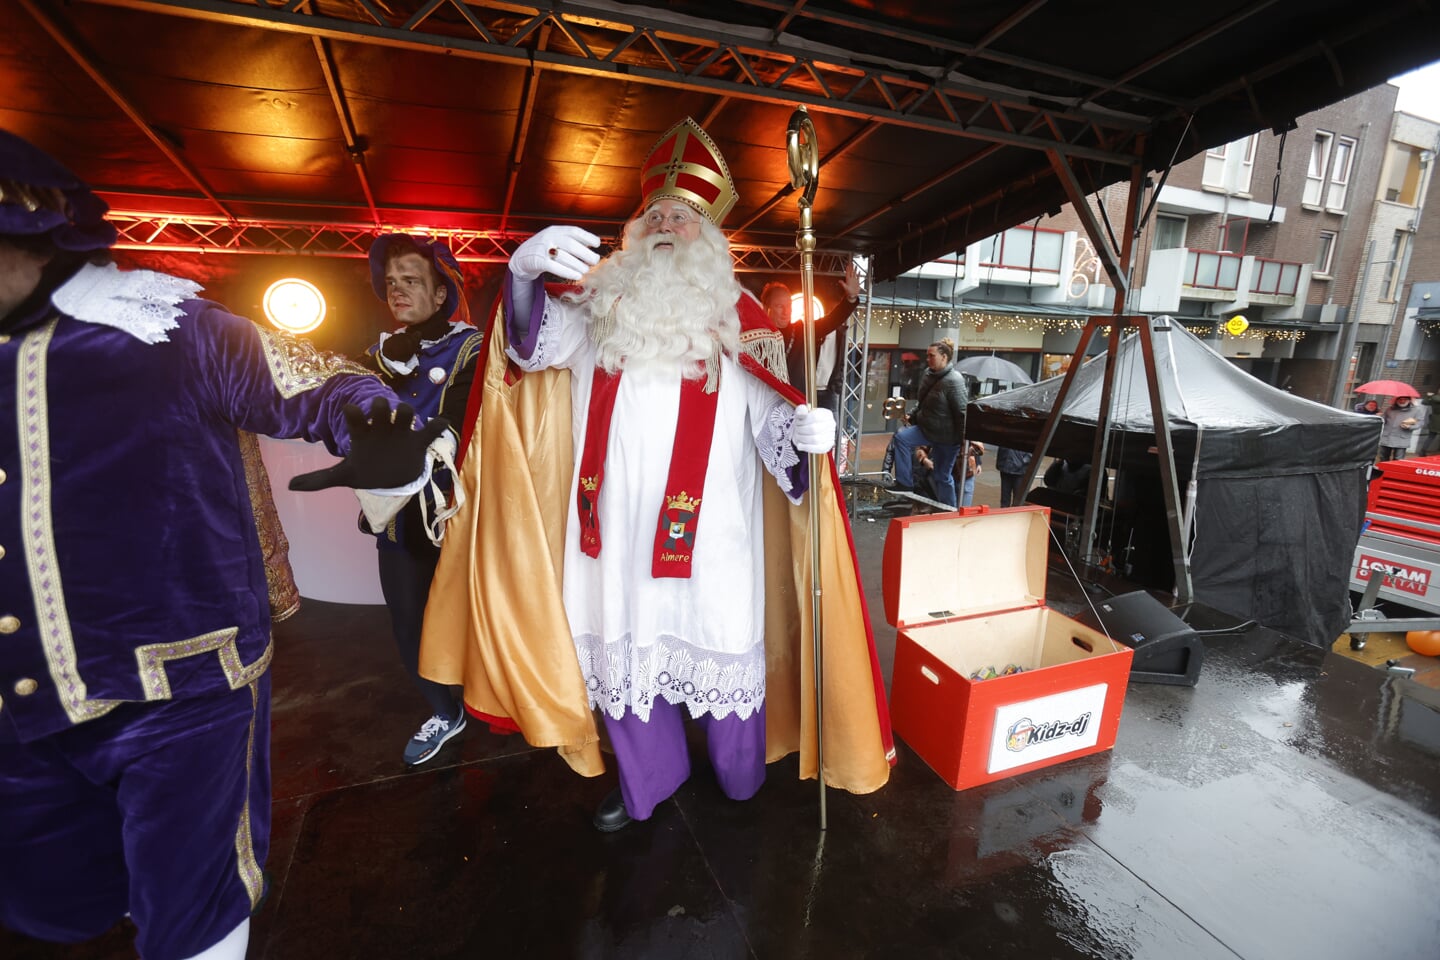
1280,481
262,126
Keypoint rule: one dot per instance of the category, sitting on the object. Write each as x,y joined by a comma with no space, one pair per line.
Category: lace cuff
544,339
522,314
548,336
143,303
789,467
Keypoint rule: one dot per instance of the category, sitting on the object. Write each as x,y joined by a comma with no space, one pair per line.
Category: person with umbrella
1402,418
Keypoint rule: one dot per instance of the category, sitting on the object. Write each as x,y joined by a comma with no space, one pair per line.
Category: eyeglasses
679,218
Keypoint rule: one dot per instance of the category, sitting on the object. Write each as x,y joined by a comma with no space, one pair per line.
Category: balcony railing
1036,249
1279,278
1212,270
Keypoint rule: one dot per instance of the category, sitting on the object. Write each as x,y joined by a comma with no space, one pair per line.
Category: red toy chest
966,591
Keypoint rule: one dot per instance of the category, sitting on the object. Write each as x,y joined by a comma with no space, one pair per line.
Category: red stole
689,457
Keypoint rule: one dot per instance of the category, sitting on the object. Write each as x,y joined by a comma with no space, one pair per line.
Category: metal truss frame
215,234
856,360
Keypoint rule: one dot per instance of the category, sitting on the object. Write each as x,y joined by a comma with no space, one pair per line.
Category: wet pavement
1288,806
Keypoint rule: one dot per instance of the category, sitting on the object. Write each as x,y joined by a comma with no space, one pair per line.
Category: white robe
696,641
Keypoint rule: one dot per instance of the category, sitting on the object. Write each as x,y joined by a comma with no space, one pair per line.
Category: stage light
294,305
797,307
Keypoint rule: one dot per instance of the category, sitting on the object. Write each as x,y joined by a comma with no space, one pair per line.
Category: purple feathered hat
445,264
39,196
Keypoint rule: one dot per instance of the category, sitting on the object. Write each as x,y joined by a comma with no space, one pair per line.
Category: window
1233,235
1340,173
1325,255
1169,232
1390,287
1228,166
1402,174
1214,175
1319,163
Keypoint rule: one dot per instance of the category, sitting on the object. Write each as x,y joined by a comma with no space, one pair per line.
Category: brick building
1398,327
1274,227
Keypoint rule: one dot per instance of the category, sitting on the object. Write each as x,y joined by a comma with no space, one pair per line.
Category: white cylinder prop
331,558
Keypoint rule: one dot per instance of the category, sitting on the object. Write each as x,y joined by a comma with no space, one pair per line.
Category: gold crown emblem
685,165
588,484
683,502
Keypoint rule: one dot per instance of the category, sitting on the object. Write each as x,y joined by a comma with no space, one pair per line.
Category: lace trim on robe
142,303
702,680
546,340
777,450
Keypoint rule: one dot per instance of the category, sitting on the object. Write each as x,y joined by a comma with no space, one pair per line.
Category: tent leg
1165,450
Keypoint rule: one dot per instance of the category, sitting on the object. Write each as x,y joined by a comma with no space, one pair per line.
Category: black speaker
1167,649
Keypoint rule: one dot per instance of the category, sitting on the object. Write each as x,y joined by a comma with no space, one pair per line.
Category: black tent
1275,482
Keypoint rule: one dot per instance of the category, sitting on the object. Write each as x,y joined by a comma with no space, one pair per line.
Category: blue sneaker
431,737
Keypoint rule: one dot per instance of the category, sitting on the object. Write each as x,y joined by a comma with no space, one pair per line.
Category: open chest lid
953,565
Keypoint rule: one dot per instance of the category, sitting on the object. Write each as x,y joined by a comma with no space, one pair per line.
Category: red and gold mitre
687,166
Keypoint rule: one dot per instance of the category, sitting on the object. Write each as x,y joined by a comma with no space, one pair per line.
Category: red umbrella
1388,388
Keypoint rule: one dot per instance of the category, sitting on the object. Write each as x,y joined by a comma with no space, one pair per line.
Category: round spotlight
797,307
294,305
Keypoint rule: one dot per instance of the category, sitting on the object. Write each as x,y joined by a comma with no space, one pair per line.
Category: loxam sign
1398,576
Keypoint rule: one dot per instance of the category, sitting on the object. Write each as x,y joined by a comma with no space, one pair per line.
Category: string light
1256,335
897,315
891,316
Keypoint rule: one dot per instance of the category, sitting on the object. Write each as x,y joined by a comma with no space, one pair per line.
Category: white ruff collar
142,303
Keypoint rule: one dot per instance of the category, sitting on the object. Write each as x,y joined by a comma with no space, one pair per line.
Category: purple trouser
161,810
654,760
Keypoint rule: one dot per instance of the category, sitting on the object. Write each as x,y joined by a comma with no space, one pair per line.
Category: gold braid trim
152,657
767,348
47,592
247,864
296,365
274,546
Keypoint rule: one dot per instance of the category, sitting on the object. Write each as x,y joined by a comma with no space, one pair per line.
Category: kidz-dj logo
1027,733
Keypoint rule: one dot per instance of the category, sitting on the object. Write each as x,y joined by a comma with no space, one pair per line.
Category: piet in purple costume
430,363
134,729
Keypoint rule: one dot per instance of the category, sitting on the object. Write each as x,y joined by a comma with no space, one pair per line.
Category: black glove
384,452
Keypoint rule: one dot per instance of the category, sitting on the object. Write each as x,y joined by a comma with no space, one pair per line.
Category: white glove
563,251
814,430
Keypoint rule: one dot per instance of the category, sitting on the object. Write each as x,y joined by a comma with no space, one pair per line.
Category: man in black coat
938,420
829,338
1013,465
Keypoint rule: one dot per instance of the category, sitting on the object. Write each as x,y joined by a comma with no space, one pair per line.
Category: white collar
142,303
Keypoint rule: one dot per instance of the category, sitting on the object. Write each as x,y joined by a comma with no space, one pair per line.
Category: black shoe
611,815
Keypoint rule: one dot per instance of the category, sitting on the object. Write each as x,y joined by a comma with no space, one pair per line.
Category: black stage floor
1286,807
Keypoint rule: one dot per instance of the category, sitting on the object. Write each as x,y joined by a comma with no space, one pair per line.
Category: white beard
674,305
